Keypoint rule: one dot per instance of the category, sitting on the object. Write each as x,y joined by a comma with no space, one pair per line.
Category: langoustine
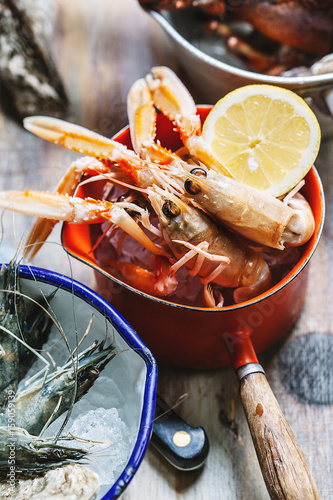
260,217
242,269
256,215
241,260
192,226
161,168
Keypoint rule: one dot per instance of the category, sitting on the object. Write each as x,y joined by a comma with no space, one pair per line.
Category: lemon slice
266,136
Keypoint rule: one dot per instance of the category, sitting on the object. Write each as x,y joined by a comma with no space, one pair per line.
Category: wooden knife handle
285,470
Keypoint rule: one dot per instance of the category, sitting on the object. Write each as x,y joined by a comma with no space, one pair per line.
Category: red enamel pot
202,338
195,337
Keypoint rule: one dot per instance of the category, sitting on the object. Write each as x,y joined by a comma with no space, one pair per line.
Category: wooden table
100,48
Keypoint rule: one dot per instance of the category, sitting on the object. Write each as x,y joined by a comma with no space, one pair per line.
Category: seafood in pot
275,224
286,33
190,202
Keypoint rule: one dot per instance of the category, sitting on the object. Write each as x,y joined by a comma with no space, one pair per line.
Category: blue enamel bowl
128,383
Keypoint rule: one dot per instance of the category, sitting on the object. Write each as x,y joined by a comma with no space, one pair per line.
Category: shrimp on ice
21,322
40,401
32,453
34,402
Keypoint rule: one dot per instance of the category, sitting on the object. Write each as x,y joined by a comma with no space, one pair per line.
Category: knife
183,446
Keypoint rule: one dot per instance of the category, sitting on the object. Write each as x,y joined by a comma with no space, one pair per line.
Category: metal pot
213,72
218,73
203,338
194,337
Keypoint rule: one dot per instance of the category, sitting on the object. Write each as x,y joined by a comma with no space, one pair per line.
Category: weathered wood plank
100,48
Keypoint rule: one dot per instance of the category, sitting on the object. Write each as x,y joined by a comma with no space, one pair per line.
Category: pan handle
283,464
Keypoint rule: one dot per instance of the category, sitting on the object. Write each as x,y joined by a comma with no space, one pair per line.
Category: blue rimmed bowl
131,376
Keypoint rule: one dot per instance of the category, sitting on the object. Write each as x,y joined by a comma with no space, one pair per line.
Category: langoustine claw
76,211
172,98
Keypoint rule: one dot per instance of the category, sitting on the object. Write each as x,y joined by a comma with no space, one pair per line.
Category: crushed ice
111,441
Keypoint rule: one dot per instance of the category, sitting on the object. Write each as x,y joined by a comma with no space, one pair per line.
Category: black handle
185,447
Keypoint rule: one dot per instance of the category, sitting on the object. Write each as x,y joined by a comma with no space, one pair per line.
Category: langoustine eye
200,172
191,186
170,209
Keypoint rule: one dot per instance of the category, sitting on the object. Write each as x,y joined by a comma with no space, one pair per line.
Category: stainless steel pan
212,71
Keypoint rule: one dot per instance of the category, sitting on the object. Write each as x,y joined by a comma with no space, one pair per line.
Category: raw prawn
32,404
33,454
39,402
252,213
21,321
77,211
247,266
226,261
226,198
258,216
62,136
